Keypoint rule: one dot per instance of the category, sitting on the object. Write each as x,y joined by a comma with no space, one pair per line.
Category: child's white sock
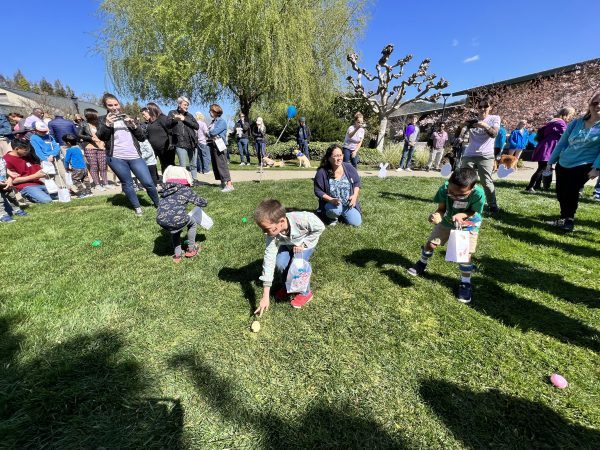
425,255
465,270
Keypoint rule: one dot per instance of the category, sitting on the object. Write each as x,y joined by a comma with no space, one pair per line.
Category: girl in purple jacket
547,137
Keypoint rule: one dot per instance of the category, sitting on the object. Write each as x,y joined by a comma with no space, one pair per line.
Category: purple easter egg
558,380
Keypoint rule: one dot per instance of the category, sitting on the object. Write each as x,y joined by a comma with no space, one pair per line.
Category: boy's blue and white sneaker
417,269
20,213
6,219
464,293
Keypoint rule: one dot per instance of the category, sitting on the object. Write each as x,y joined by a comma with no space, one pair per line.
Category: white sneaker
100,188
408,169
139,212
399,169
106,186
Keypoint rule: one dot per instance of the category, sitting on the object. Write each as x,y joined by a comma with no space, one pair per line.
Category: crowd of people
41,152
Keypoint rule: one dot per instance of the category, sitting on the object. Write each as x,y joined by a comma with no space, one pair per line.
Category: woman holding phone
337,186
354,139
122,136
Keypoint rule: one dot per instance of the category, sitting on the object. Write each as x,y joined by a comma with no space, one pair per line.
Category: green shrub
371,157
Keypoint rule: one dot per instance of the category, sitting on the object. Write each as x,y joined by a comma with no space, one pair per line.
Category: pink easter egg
558,380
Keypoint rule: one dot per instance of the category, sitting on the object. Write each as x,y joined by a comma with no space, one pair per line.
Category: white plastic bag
298,277
51,185
382,170
504,171
48,168
201,218
64,196
458,246
446,169
220,143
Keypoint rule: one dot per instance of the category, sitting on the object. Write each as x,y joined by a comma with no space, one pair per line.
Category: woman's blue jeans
284,259
187,158
260,150
348,156
407,155
203,159
123,168
349,215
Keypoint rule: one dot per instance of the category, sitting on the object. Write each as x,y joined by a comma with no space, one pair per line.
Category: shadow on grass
553,284
121,199
518,220
80,394
321,427
246,277
163,246
494,301
402,196
381,258
491,419
536,239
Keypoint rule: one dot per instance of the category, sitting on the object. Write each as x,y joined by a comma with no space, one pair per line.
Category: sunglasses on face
459,197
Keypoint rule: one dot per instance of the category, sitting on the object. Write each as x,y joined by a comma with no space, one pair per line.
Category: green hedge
392,153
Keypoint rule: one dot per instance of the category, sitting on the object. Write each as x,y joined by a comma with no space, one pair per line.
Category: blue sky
470,42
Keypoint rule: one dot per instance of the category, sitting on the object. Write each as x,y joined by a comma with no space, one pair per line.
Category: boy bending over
294,233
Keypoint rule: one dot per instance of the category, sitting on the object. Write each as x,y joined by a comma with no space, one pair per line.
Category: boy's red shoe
281,294
192,251
301,299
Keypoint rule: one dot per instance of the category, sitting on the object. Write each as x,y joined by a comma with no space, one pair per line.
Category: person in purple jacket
547,137
337,186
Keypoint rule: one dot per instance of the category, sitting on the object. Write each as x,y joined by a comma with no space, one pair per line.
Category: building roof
421,107
63,103
532,76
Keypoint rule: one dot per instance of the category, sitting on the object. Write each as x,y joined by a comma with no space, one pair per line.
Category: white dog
303,161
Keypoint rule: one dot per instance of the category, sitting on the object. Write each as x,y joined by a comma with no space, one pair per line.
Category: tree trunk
381,134
245,106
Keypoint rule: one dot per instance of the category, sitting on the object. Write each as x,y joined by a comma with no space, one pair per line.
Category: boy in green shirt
460,202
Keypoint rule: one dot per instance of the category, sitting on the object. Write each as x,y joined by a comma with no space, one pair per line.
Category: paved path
523,174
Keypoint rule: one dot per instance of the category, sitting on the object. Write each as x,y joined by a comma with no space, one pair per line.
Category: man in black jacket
242,128
185,135
303,137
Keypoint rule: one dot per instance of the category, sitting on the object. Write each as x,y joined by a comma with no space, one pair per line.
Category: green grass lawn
115,346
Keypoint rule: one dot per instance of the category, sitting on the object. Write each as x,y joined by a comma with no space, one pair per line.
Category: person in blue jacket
500,142
518,139
5,135
217,130
44,145
577,159
337,186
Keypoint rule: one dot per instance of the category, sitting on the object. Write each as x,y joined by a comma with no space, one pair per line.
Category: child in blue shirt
75,165
460,201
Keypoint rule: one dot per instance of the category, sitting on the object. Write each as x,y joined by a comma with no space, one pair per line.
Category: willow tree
250,51
385,99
